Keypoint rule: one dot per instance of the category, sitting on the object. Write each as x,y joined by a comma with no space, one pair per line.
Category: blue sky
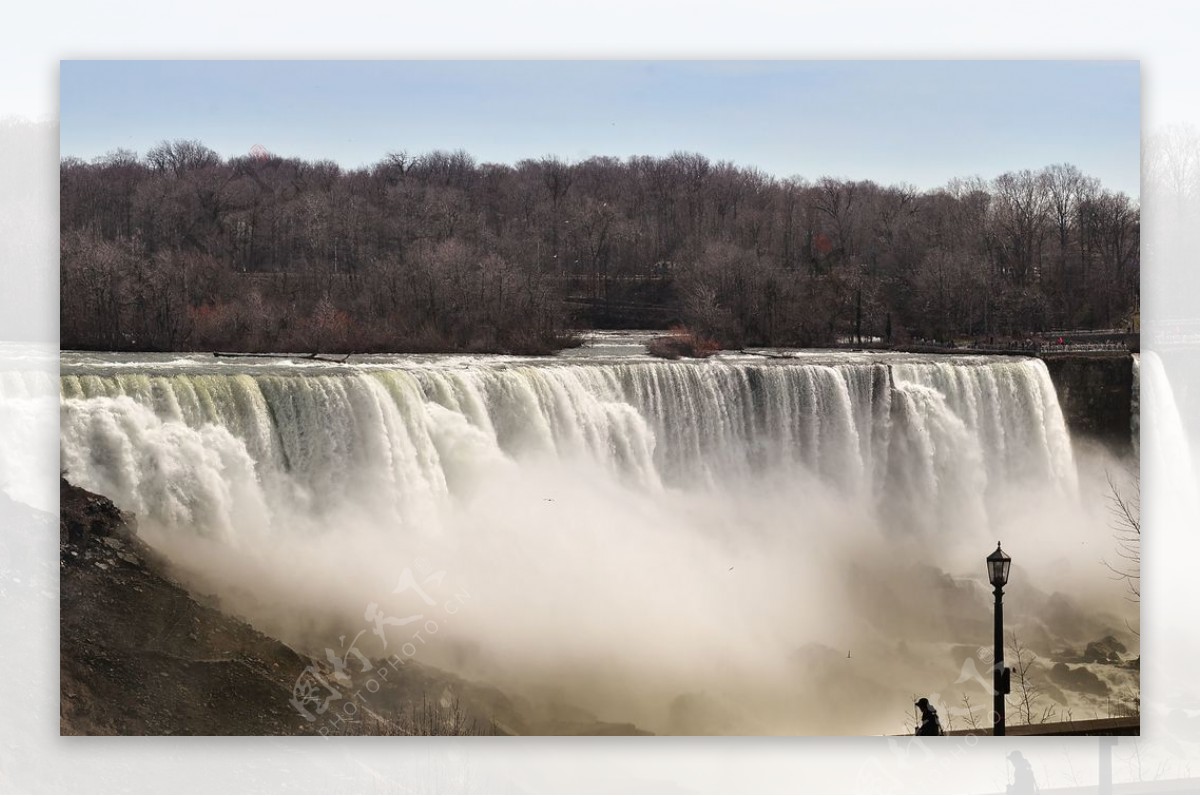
919,122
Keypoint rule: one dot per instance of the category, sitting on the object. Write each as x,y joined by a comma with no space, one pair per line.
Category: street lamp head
997,565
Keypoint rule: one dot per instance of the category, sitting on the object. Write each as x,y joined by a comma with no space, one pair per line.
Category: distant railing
1028,347
1072,342
1049,348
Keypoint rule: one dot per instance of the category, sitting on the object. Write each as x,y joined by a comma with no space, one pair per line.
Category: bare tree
1028,695
437,252
427,718
1127,525
972,721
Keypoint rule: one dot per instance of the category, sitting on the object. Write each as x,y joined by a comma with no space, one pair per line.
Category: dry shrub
682,342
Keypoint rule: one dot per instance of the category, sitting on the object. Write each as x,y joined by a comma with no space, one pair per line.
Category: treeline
183,249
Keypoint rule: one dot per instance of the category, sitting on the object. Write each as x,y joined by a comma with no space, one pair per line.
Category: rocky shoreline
141,655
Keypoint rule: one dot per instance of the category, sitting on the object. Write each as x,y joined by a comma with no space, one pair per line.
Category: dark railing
1126,725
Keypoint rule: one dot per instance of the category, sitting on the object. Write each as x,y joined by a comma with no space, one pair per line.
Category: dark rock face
1079,678
1095,391
140,656
1106,650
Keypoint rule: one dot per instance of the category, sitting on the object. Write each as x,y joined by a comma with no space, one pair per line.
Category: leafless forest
181,249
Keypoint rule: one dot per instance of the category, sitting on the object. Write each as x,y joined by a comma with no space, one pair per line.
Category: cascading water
29,391
632,529
217,452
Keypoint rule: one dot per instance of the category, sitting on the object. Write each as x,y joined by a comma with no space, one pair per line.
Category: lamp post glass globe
998,564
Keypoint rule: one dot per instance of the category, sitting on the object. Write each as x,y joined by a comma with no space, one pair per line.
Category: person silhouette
930,725
1023,781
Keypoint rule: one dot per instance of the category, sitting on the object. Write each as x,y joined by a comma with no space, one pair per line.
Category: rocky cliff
1095,391
141,655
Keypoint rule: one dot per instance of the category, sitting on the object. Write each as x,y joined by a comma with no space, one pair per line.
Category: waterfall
222,453
29,391
631,531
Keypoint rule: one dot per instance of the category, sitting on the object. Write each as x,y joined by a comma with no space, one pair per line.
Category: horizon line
267,154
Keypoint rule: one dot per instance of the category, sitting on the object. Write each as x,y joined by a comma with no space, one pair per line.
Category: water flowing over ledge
220,450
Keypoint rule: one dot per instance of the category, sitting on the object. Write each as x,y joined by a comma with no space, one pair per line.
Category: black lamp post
997,565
